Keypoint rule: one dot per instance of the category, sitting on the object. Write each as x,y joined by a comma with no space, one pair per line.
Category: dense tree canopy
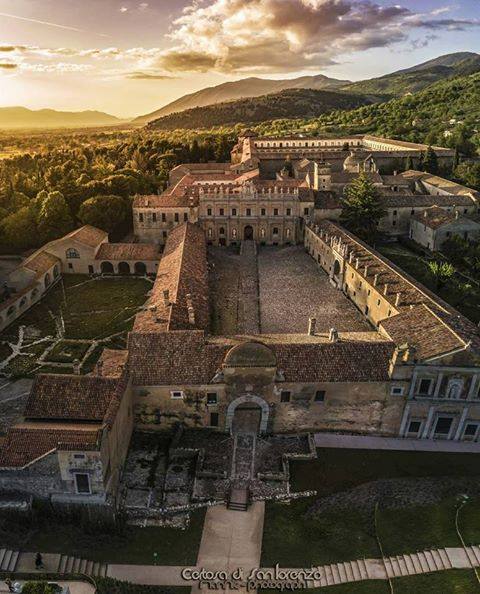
106,212
362,208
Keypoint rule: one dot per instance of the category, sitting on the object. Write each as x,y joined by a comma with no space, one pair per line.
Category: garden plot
71,325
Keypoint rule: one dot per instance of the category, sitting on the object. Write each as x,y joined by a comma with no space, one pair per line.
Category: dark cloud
288,35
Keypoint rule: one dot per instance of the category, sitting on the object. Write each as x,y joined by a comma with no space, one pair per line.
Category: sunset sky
128,57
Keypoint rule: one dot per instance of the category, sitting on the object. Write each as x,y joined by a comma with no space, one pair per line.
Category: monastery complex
266,316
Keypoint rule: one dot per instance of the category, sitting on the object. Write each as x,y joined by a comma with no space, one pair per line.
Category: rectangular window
176,394
222,212
164,234
176,218
263,212
285,396
249,212
443,426
396,391
79,456
275,212
212,398
209,212
234,212
82,483
320,396
185,216
70,265
414,427
154,217
164,217
306,211
424,386
471,431
140,217
289,212
214,419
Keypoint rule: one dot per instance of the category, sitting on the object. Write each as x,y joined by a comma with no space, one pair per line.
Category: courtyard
71,325
291,289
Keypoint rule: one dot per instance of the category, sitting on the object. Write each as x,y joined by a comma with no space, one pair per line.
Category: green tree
18,231
54,218
430,161
441,272
106,212
469,174
362,207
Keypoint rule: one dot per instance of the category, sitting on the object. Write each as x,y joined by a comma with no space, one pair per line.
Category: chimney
333,335
99,367
375,280
312,323
76,367
365,272
357,263
190,310
397,299
166,297
350,257
456,214
425,214
395,172
385,289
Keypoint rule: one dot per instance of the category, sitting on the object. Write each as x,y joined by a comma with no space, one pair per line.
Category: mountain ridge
23,117
389,85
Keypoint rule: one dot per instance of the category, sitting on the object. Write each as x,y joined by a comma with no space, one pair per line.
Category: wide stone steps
70,564
397,566
8,559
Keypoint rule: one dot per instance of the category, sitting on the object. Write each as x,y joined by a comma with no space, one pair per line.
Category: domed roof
354,159
250,354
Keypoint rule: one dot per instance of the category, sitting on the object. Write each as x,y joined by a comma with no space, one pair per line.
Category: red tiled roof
173,358
88,235
40,263
128,251
183,273
29,441
72,397
111,363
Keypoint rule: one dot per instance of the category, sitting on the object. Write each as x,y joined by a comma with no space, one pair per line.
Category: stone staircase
238,499
8,559
398,566
70,564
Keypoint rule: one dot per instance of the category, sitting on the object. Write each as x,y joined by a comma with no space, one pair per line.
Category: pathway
234,539
364,442
248,305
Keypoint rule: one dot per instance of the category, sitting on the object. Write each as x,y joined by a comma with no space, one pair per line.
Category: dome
250,354
353,162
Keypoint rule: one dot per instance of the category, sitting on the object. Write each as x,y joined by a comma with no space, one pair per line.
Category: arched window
47,280
55,271
222,231
72,253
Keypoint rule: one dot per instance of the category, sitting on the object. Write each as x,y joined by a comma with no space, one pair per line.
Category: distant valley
21,117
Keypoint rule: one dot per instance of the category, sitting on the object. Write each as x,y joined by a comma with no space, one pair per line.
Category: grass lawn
467,302
67,352
294,539
137,545
75,308
340,469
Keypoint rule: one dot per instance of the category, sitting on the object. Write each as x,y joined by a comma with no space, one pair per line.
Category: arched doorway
253,412
248,232
140,268
106,268
247,418
123,268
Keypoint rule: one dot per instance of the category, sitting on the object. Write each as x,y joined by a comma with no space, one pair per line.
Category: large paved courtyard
291,289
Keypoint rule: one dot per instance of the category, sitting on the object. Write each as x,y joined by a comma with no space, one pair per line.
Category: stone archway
248,398
248,232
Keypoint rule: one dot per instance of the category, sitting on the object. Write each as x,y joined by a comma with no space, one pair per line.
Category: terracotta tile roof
27,442
72,397
128,251
423,330
183,358
453,188
88,235
425,200
40,262
183,273
434,217
411,292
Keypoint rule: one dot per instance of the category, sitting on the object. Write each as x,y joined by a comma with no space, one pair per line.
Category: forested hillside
291,103
45,195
